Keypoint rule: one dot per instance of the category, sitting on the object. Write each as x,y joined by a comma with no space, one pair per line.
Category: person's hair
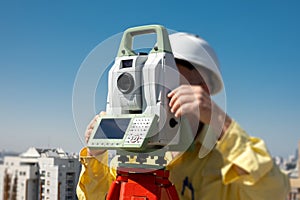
185,63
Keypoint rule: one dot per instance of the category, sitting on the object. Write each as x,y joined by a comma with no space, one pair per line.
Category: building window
43,173
71,163
69,182
48,174
22,173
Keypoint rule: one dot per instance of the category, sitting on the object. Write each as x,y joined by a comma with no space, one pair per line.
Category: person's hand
194,101
88,133
190,99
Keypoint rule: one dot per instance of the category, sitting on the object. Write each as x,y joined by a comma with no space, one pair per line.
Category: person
238,167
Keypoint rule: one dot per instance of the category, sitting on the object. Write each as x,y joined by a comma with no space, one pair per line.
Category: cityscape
54,77
49,174
39,174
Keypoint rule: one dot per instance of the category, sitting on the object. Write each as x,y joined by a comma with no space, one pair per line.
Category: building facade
295,179
39,174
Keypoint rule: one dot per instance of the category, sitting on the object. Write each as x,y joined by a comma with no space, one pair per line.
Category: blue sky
43,43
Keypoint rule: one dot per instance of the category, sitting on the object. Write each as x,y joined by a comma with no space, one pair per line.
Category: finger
181,91
102,113
87,139
92,126
184,99
189,108
170,94
173,96
173,92
173,100
181,111
93,121
178,113
88,135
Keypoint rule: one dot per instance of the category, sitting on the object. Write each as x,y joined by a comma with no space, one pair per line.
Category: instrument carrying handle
162,45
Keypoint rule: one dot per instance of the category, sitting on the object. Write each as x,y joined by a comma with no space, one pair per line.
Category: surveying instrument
138,123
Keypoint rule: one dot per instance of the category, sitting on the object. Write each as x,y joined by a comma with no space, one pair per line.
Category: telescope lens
125,83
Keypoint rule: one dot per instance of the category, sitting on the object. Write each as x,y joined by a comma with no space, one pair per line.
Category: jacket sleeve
250,154
95,177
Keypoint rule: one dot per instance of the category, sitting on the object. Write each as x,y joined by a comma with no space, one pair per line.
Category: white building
295,179
39,174
18,181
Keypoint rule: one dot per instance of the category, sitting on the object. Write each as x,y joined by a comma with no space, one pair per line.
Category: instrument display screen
112,128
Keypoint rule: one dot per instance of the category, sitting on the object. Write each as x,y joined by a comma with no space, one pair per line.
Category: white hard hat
198,52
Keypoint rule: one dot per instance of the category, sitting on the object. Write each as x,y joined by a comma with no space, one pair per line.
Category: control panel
124,131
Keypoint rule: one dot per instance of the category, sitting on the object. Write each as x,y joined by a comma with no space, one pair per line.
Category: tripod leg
169,193
135,185
114,191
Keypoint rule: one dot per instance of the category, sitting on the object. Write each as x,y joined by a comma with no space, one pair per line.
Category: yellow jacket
213,177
